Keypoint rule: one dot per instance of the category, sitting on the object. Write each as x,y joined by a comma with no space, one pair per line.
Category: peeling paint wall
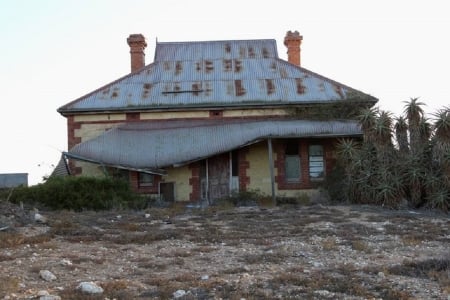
90,169
181,177
259,173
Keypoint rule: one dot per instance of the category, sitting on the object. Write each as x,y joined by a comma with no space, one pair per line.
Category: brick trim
194,181
243,166
134,183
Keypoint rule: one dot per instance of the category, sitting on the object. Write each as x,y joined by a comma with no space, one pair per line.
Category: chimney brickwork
292,41
137,45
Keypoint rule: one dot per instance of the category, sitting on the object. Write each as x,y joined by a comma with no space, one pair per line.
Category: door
219,176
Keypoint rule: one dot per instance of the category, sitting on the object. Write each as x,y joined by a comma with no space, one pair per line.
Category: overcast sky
53,52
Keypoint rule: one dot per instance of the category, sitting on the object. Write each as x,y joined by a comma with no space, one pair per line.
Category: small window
316,162
145,180
292,163
292,168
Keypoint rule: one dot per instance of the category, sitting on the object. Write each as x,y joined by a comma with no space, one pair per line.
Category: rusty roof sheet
156,145
211,74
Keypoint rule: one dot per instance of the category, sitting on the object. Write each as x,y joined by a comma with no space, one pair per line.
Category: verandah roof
152,146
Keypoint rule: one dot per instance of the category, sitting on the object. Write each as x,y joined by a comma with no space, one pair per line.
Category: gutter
141,170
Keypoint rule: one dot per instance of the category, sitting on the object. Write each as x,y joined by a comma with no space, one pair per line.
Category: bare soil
288,252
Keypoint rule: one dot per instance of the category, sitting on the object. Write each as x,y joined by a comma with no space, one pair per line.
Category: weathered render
208,118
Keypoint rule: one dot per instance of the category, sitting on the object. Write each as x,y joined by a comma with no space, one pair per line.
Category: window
145,180
316,162
292,163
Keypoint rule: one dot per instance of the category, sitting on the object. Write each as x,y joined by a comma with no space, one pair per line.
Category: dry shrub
289,278
187,278
329,244
155,266
9,240
8,285
116,289
264,258
411,240
235,270
148,237
64,227
4,257
360,245
422,269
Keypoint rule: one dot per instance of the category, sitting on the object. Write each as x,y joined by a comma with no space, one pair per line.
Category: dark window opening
234,163
292,162
145,180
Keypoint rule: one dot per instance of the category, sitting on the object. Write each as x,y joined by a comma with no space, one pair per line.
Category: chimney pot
137,45
292,41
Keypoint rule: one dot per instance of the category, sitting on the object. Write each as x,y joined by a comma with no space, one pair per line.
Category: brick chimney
137,45
292,41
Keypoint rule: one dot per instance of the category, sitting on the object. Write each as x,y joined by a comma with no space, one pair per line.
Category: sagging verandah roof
152,146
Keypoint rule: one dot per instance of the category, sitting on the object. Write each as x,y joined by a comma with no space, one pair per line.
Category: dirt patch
311,252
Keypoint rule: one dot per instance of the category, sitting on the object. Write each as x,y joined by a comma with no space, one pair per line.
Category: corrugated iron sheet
209,74
153,145
11,180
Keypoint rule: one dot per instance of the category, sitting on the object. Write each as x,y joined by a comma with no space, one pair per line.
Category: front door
219,176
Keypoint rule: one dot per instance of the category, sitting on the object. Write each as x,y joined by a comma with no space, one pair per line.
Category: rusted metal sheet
155,145
233,71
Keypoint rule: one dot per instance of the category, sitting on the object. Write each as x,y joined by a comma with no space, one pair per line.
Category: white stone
90,288
66,262
40,218
50,297
43,293
147,216
179,294
205,277
47,275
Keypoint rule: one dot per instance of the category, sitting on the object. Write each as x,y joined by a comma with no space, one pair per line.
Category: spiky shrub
418,169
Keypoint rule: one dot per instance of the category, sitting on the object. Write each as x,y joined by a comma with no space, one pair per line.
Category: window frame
145,180
316,158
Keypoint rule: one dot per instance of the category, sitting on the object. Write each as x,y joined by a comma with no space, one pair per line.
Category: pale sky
53,52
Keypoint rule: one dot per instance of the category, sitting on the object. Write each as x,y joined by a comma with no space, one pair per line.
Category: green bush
79,193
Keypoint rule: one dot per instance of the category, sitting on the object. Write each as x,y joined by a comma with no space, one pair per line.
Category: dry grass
8,285
330,244
171,250
12,239
360,245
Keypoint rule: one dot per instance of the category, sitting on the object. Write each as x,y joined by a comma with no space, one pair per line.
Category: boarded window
316,162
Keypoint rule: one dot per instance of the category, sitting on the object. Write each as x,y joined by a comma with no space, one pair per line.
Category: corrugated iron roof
155,145
215,73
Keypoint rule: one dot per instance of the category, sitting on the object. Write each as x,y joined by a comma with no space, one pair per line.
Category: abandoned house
208,118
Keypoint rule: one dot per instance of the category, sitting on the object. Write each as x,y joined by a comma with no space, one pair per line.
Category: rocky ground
288,252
